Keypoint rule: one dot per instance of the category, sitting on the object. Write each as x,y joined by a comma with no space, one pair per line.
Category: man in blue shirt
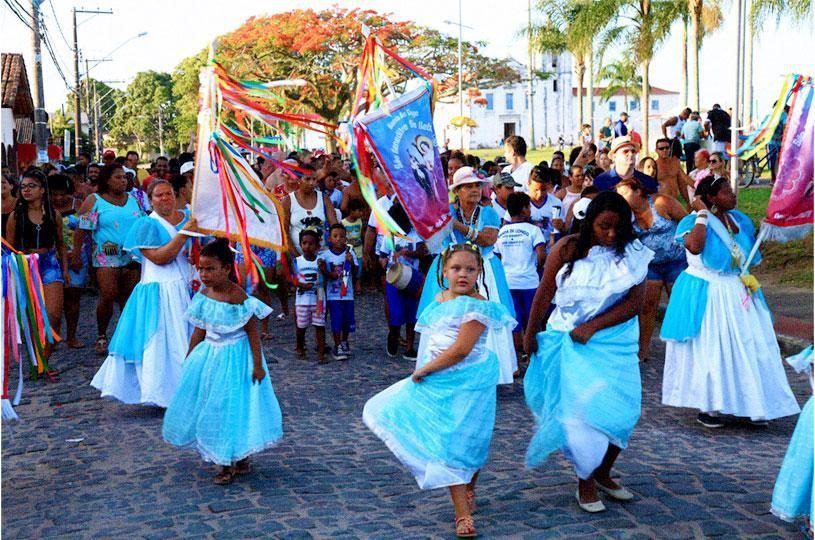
620,129
624,159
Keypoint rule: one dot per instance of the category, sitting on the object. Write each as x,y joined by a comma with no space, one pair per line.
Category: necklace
473,217
735,252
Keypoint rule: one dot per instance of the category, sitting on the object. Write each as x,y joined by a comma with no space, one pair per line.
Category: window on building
510,101
612,106
490,103
526,101
554,85
654,104
632,105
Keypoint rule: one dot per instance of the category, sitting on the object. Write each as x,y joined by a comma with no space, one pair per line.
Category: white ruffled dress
152,336
585,396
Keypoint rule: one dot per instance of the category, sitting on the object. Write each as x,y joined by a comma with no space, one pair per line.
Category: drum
406,279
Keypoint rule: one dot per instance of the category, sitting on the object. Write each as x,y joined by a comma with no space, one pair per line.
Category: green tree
572,25
644,25
145,114
620,76
185,95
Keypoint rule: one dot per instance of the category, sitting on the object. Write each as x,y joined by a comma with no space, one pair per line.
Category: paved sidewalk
77,466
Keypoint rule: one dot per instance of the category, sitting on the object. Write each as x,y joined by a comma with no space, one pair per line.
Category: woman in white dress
721,355
152,336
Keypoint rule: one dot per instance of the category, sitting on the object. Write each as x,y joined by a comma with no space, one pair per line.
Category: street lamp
460,70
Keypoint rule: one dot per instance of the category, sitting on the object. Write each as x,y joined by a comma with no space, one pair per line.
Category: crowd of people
551,272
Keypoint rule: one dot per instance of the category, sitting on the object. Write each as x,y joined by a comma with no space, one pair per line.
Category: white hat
579,208
128,170
186,167
465,175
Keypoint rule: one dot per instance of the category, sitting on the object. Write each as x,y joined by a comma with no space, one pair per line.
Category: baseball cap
109,154
621,142
186,167
504,179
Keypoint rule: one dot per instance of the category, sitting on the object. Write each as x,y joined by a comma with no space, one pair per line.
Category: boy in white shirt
309,304
521,246
339,264
546,209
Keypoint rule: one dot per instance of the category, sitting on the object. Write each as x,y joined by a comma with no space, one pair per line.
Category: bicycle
750,170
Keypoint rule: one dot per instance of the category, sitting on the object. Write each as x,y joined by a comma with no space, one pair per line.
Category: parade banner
790,210
402,138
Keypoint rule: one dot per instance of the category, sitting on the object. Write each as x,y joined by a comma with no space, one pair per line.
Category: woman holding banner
721,356
479,225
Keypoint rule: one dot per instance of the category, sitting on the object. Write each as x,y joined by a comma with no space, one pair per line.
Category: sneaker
338,354
410,354
759,423
346,349
282,317
710,421
391,349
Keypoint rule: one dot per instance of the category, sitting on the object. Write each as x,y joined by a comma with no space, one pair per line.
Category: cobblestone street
77,466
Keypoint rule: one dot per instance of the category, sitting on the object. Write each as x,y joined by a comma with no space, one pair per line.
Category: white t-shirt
502,212
385,202
521,174
516,244
333,287
568,200
401,243
541,216
307,272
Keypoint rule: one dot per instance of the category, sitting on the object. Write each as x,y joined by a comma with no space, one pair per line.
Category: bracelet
702,213
701,220
472,234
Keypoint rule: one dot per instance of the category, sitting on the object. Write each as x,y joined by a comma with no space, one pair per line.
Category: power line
13,9
59,27
24,10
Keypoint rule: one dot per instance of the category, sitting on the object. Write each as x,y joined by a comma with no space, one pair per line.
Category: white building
664,103
505,111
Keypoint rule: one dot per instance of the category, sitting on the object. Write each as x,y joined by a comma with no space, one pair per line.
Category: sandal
224,477
101,345
471,500
465,527
242,467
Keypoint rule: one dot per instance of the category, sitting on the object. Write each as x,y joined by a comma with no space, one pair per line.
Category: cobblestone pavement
77,466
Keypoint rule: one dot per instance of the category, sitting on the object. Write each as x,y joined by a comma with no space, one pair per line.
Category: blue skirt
218,410
792,495
584,397
440,428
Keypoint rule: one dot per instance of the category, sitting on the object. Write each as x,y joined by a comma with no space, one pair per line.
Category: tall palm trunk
748,67
695,9
579,71
683,84
645,105
590,89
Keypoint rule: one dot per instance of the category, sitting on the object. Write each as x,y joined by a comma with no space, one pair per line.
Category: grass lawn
534,156
788,264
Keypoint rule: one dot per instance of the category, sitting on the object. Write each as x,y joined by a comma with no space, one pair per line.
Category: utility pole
531,84
40,125
460,81
97,137
77,88
88,108
735,125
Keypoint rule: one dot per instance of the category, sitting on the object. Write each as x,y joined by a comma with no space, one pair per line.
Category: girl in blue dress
225,406
439,421
721,355
792,496
583,383
479,225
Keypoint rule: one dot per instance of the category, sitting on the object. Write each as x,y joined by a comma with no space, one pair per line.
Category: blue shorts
402,307
50,269
522,300
341,313
666,272
79,279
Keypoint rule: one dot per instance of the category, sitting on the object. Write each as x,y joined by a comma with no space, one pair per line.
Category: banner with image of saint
402,137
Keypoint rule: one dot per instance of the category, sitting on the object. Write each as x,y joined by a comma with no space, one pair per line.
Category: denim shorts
667,271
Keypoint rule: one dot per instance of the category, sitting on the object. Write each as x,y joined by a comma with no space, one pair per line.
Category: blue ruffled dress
493,286
441,428
792,495
218,410
721,352
151,338
585,396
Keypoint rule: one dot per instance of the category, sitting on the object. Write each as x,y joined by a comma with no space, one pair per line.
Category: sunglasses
715,161
29,186
661,148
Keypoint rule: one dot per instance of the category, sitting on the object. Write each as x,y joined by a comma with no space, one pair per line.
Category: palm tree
644,24
571,25
799,12
704,19
620,76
